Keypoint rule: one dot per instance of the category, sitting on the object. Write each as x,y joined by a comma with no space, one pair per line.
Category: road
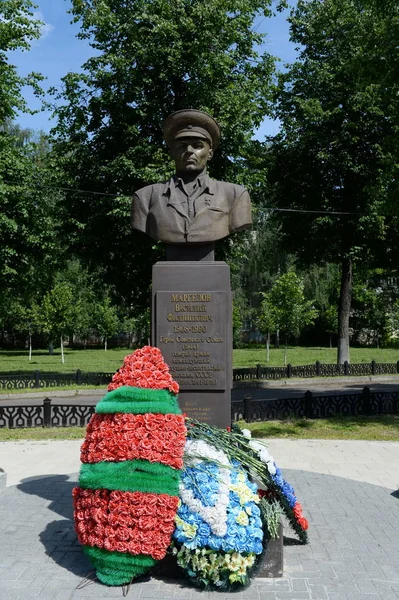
270,390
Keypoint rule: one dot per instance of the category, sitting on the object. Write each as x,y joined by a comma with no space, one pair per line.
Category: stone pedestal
272,564
192,326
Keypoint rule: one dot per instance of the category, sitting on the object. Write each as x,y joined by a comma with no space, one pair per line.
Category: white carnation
263,455
215,516
246,433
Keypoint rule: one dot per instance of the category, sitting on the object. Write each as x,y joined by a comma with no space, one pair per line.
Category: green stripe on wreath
126,399
131,476
117,568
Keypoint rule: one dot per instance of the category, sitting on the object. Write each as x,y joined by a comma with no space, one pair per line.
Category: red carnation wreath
145,368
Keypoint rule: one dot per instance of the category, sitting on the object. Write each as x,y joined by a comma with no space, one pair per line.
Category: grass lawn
100,361
382,428
94,361
377,427
305,356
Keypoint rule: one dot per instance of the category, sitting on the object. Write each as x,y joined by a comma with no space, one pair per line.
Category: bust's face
191,154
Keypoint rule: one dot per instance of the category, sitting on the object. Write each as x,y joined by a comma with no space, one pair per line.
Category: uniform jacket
226,208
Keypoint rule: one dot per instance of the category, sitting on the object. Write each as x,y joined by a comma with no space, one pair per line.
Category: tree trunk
285,349
344,308
330,340
268,347
50,348
105,344
30,346
277,342
62,350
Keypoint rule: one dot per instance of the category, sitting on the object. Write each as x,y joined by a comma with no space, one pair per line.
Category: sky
58,52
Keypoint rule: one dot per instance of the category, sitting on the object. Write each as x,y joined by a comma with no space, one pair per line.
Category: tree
152,58
286,308
26,217
393,321
257,260
56,314
15,317
267,320
106,319
330,318
17,29
30,249
373,302
338,147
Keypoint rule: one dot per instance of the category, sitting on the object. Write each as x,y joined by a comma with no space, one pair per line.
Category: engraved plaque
191,333
192,326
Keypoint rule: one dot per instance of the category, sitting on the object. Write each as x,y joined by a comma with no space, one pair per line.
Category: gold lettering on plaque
190,307
190,297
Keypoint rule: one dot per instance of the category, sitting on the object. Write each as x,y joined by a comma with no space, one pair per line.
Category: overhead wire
119,195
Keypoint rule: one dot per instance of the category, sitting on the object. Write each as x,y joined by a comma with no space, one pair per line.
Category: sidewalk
347,489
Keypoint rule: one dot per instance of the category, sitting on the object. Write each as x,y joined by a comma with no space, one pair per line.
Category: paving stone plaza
349,492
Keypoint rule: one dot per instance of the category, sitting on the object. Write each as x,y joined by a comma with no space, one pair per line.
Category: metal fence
40,379
316,369
45,415
317,406
308,405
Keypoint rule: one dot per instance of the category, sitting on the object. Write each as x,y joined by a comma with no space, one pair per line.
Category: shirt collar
204,182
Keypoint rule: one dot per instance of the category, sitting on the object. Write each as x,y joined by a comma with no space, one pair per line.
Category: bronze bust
190,208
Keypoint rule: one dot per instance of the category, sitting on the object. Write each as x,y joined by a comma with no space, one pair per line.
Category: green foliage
255,263
393,320
237,320
338,147
331,319
26,216
56,313
30,247
153,58
137,328
17,29
286,308
106,319
339,123
374,299
267,320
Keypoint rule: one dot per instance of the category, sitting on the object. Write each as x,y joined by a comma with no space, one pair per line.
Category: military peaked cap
191,123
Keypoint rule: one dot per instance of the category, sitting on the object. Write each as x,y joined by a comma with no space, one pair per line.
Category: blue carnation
203,533
288,492
234,500
192,544
180,536
240,545
228,544
203,482
214,542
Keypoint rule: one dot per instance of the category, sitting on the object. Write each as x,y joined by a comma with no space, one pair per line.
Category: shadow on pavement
55,488
59,537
